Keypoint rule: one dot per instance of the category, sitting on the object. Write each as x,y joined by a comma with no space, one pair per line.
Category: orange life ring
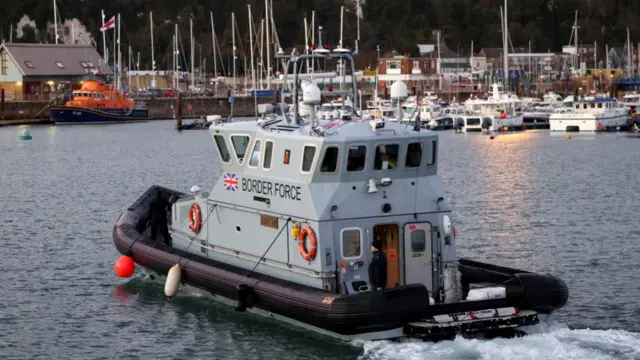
195,218
310,254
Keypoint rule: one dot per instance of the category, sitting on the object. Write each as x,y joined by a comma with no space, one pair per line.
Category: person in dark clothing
158,218
378,267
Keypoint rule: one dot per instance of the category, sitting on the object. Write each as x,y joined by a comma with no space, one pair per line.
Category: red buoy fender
195,218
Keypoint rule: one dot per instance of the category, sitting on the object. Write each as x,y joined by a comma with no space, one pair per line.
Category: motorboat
286,231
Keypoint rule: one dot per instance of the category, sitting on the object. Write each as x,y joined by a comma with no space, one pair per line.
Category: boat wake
544,341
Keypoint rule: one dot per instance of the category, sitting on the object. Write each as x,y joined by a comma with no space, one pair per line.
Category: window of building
5,64
414,155
416,64
255,155
418,240
268,153
393,65
308,154
433,153
240,144
330,160
29,64
351,243
357,155
222,148
59,64
386,157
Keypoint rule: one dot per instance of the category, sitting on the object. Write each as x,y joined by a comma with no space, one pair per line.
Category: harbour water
530,200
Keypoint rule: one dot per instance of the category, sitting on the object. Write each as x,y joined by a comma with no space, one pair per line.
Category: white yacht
504,109
428,111
591,114
631,100
379,108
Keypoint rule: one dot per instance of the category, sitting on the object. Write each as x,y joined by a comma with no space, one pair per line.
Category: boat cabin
304,200
595,105
99,95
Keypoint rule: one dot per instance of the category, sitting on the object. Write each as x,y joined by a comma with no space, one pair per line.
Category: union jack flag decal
231,181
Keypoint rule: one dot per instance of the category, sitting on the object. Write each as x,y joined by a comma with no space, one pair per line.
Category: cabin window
255,155
386,157
473,121
418,240
351,243
584,106
222,148
308,154
414,155
330,160
577,106
240,144
432,155
268,152
599,105
593,106
357,155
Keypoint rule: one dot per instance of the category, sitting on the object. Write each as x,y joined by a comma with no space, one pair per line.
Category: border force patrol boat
286,231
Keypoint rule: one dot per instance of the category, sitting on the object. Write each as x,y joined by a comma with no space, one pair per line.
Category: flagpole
115,52
104,39
119,55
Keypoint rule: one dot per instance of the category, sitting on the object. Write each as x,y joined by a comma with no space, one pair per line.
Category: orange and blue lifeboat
98,102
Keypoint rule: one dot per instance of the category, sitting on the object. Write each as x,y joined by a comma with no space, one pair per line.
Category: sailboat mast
576,56
629,63
213,40
138,68
313,33
153,58
266,8
306,42
176,58
253,69
505,48
55,20
129,70
193,75
233,44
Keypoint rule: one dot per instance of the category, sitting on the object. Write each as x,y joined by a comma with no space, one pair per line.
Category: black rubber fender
543,293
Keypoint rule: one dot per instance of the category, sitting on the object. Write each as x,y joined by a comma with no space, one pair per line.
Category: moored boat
591,114
96,102
286,231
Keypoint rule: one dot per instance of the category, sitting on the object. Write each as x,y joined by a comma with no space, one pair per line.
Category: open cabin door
418,256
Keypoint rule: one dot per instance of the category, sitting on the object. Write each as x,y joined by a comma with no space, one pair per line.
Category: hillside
391,24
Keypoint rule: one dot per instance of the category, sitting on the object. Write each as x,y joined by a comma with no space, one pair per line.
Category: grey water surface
530,200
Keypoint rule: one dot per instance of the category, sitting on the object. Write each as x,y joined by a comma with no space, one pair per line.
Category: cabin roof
595,100
334,131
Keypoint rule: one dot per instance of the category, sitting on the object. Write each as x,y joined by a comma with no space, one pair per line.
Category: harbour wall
36,112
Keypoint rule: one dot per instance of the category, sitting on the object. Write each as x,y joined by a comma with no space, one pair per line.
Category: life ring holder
308,254
195,218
